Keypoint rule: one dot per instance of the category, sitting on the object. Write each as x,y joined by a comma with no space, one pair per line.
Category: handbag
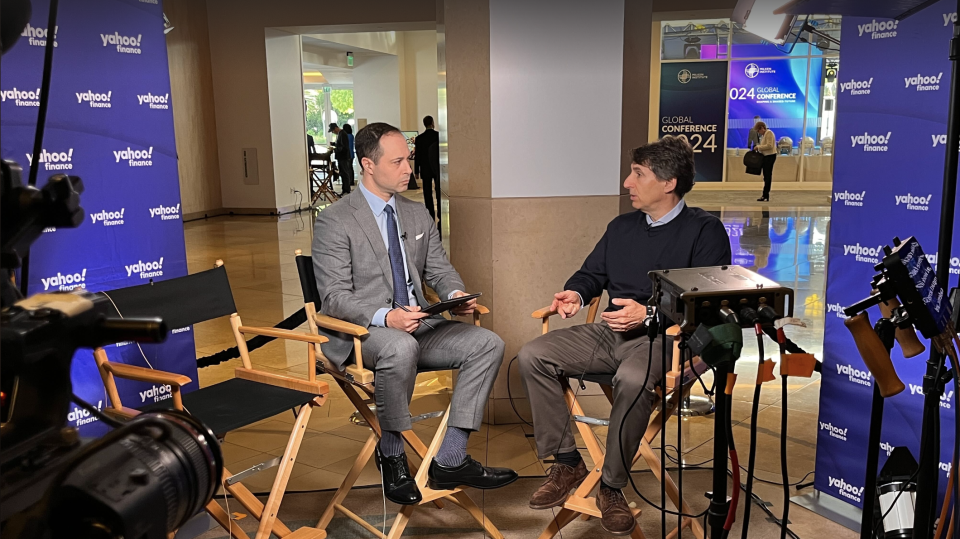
753,160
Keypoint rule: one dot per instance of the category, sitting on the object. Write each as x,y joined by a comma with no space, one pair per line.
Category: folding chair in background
678,387
253,395
357,383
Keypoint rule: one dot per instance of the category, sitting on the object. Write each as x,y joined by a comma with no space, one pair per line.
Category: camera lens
152,474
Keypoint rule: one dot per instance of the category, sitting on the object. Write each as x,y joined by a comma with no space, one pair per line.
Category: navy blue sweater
630,248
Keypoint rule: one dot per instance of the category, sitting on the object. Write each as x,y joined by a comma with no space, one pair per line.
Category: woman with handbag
767,147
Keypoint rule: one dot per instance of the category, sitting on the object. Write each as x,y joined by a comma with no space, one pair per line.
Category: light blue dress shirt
377,205
669,216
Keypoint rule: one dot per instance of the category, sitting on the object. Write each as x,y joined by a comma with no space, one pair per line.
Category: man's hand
467,308
566,303
403,320
627,318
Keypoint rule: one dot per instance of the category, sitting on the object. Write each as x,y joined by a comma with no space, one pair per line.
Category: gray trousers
397,356
591,349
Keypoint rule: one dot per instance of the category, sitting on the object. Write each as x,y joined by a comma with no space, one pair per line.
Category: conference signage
888,171
692,102
774,90
109,121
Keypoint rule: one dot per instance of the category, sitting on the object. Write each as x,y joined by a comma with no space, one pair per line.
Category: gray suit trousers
592,349
397,356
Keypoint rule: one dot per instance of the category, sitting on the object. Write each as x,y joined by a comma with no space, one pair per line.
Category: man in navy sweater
663,234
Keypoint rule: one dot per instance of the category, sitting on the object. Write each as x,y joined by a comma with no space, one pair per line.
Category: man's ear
669,186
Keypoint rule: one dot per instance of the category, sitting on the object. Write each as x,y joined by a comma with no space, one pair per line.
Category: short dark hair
428,121
668,158
366,142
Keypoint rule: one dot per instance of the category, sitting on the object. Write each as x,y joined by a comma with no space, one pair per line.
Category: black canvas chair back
180,302
308,281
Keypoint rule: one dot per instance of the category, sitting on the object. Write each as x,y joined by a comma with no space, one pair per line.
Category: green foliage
341,101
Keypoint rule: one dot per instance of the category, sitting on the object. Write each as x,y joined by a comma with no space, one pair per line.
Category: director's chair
678,387
357,383
253,395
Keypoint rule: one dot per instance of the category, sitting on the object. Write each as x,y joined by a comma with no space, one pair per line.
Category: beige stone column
528,203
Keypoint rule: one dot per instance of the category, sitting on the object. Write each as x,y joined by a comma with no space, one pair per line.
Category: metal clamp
237,477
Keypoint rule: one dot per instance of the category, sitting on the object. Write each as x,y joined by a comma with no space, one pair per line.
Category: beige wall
418,78
285,93
238,65
195,124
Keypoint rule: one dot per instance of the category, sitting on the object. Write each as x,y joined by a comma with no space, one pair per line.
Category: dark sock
571,459
606,486
391,443
453,450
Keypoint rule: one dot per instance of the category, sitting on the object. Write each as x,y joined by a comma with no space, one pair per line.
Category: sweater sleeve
591,279
768,143
713,245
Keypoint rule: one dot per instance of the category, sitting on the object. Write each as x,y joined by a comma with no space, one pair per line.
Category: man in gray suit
363,246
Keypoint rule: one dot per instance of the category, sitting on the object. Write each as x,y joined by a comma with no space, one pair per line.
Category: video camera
143,479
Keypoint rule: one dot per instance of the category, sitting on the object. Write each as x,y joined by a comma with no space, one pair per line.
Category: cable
732,446
107,420
755,410
783,455
510,393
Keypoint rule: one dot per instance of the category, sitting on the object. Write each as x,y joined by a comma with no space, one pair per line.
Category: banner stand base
830,508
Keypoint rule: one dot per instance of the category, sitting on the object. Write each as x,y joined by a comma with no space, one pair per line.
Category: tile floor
787,244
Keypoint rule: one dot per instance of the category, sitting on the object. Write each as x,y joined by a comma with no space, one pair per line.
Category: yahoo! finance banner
888,173
109,121
692,103
776,91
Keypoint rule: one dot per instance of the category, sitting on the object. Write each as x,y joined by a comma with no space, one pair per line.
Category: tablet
446,305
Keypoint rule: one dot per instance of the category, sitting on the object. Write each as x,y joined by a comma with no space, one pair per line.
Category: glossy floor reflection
785,244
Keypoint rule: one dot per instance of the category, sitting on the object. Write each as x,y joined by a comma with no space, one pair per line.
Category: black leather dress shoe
468,474
399,485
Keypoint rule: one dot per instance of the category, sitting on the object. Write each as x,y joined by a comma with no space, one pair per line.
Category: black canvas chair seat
236,403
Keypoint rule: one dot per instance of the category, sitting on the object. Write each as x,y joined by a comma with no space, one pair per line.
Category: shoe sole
563,500
628,532
453,485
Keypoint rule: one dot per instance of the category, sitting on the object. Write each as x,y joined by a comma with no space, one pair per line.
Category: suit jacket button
387,301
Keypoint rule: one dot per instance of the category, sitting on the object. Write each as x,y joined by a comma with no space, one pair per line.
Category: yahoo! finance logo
37,37
165,213
78,416
157,393
871,143
914,203
124,44
949,18
856,87
95,100
850,199
135,158
24,98
863,378
835,432
923,83
160,102
878,30
65,282
887,447
864,254
845,489
837,309
934,259
108,218
55,160
146,270
944,399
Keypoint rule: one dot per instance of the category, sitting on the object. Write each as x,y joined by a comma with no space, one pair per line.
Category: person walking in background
348,171
768,147
425,169
752,138
341,151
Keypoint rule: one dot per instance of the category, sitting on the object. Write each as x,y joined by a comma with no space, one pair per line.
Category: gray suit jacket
353,268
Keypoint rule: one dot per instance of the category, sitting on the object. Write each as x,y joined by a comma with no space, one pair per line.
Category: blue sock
453,450
391,443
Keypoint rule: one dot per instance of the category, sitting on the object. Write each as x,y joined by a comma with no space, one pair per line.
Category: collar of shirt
670,216
376,203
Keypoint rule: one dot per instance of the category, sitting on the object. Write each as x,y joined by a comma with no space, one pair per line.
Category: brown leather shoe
561,479
615,515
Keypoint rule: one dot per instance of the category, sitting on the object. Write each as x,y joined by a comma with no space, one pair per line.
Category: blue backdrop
109,121
888,172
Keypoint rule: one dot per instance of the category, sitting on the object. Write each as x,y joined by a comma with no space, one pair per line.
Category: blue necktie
400,294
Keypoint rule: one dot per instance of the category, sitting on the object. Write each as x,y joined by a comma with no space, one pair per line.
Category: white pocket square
420,235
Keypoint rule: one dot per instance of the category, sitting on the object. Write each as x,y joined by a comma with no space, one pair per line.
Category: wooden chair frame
581,503
357,383
265,513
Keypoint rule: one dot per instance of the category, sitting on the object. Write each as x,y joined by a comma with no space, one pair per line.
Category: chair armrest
333,324
317,387
543,313
482,310
284,334
143,374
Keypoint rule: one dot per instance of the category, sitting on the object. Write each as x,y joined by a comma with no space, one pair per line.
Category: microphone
652,320
403,236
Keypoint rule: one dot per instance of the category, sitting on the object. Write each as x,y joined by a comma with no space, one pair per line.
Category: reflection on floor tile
785,244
